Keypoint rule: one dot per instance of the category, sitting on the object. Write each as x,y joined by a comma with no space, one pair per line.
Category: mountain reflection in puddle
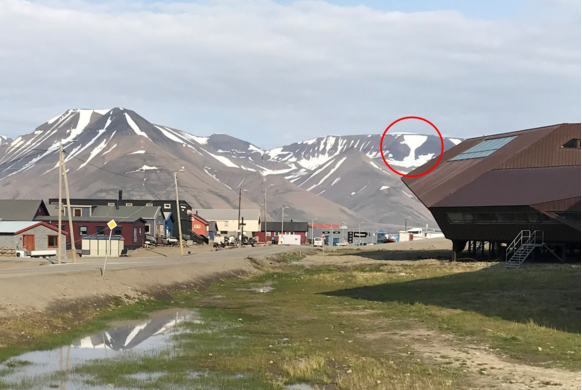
145,336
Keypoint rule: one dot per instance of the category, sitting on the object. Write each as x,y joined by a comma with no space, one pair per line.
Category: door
411,237
28,242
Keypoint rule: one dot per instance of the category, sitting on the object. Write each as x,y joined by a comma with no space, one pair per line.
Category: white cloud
307,68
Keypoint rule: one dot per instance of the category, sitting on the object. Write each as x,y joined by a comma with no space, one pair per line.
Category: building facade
133,232
227,220
83,206
31,236
491,188
271,231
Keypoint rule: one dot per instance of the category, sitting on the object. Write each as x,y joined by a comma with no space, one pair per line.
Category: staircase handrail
517,242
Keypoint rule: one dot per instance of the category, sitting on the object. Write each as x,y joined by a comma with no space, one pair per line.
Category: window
499,217
83,230
572,144
223,232
111,204
77,213
167,206
149,205
118,231
483,149
225,223
268,234
276,233
570,215
147,229
197,226
129,204
100,230
53,241
64,228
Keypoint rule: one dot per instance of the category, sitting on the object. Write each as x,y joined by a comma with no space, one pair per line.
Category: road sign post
111,225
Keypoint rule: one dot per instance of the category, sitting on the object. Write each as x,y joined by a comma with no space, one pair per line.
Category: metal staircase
522,246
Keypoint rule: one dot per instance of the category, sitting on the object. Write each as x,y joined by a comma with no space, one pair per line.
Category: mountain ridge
113,149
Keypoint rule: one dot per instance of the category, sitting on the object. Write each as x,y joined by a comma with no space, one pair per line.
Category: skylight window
484,149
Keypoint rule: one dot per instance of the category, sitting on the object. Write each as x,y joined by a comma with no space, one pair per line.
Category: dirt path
28,294
485,369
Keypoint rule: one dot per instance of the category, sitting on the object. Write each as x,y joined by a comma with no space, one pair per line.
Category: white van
317,241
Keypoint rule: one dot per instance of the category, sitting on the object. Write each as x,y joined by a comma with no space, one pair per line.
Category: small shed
31,236
101,246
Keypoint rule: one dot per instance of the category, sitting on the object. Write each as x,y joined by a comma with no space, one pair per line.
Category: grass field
371,326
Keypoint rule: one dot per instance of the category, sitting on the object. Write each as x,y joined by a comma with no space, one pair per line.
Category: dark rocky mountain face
334,179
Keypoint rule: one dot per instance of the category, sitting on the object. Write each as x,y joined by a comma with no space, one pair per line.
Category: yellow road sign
112,224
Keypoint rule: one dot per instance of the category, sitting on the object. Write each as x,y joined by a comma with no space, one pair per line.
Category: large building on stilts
510,195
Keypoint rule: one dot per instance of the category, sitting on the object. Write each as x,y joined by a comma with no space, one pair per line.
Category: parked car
318,241
388,240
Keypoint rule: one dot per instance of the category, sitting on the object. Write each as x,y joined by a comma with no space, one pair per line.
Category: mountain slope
108,150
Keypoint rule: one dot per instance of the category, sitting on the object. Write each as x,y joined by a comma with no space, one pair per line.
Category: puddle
125,337
146,376
300,386
265,289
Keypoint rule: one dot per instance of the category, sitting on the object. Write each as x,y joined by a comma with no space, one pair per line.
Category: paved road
126,263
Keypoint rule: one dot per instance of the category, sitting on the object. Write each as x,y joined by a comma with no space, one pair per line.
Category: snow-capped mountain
350,171
334,179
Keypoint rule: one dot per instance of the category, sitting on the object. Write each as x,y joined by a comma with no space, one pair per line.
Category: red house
273,230
199,225
133,232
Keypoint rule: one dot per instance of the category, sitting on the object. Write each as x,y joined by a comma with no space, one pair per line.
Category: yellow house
227,219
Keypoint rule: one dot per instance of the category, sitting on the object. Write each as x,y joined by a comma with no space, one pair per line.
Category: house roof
514,187
126,212
287,226
474,181
323,226
17,227
227,214
199,218
19,210
105,219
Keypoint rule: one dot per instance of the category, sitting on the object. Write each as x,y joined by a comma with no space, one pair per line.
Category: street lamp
360,233
265,211
282,220
312,227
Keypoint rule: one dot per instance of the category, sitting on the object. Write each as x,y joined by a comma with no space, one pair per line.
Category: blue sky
273,73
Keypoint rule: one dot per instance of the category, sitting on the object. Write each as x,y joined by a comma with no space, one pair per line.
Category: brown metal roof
531,148
513,187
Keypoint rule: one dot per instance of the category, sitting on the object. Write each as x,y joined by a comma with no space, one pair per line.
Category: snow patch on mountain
137,152
109,150
94,153
223,160
456,141
329,174
134,126
253,148
336,180
144,168
384,188
168,134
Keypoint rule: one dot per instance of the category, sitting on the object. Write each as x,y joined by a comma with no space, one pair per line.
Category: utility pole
265,214
71,230
282,219
312,228
179,216
239,235
360,233
59,240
